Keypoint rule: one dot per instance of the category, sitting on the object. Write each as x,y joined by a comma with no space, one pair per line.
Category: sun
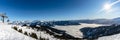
107,6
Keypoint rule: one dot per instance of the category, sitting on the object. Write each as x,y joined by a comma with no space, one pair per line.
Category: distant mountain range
71,22
102,21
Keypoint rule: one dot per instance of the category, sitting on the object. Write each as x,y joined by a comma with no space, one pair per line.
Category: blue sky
57,9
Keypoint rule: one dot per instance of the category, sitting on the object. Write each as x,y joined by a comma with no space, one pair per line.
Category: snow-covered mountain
69,22
117,20
100,21
73,27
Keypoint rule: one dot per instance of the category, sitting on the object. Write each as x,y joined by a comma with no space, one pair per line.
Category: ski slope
7,33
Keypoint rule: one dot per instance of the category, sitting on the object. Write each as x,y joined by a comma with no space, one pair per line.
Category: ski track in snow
7,33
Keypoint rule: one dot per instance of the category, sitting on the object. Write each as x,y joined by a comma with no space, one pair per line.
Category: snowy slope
112,37
7,33
41,34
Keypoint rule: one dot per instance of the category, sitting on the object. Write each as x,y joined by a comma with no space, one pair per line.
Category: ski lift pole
3,17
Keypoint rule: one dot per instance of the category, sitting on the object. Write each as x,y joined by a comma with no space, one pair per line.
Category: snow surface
74,30
7,33
112,37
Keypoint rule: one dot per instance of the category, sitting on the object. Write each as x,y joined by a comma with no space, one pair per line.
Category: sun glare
107,6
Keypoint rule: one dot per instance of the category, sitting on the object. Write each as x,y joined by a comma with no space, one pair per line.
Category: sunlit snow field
7,33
